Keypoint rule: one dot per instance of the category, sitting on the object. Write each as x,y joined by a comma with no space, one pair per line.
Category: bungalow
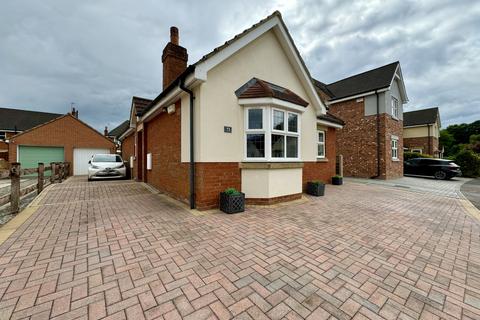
421,130
246,115
371,104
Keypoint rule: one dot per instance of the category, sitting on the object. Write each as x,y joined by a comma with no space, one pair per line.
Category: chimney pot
105,132
174,35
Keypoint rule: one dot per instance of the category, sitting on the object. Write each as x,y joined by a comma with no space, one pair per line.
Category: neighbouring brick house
128,137
371,105
63,138
14,121
247,115
421,131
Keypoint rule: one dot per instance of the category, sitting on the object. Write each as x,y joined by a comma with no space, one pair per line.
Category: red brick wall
391,169
163,137
422,142
357,141
322,171
128,150
213,178
3,154
67,132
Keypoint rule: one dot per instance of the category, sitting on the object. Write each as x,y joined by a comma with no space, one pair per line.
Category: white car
106,166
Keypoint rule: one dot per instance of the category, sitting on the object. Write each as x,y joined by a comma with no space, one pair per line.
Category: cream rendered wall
185,125
264,58
270,183
417,132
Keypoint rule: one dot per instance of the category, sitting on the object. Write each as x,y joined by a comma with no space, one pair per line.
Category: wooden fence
59,172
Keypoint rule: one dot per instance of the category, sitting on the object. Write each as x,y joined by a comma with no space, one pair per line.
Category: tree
446,141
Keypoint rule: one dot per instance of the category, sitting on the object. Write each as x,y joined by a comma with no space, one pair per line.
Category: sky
98,54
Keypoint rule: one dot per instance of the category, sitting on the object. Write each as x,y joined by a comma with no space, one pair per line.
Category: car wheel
440,175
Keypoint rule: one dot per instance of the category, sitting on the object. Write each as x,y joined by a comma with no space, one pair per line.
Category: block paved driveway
116,250
445,188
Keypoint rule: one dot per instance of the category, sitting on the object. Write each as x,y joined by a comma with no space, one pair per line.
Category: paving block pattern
114,250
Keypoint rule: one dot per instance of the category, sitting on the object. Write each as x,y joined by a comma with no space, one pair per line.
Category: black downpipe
192,157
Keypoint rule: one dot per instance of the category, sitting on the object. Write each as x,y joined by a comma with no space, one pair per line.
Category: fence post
41,170
15,187
60,171
53,172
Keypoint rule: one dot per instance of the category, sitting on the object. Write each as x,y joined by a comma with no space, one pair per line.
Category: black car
438,168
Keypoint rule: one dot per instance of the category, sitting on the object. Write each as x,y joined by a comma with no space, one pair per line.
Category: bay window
272,134
255,134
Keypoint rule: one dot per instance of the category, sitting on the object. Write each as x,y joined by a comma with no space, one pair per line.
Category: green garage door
30,156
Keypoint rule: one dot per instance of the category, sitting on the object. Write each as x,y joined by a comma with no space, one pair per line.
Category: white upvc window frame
417,150
395,107
394,147
267,130
319,143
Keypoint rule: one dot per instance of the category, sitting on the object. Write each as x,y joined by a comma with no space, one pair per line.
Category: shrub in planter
316,188
337,180
232,201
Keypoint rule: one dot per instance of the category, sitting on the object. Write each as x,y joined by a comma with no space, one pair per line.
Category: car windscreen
107,158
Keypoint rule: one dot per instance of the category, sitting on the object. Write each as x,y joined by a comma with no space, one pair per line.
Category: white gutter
329,124
170,98
357,96
126,133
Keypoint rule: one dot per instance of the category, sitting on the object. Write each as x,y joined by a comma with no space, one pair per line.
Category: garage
30,156
64,139
81,156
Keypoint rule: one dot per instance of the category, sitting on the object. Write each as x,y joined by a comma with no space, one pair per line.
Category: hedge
469,163
412,155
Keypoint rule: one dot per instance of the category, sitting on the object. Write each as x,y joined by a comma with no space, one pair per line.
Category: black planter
232,203
315,189
337,181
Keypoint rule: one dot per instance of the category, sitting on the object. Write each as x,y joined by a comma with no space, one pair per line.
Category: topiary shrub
469,163
413,155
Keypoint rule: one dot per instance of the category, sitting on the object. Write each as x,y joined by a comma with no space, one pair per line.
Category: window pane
255,118
321,137
278,146
321,150
292,147
255,145
278,120
292,122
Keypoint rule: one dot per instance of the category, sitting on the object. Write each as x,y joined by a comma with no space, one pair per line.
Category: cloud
99,54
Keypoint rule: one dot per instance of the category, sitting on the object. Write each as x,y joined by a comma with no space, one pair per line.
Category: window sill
395,118
396,160
322,160
270,165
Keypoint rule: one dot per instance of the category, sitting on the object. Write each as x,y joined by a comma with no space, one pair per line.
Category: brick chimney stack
174,58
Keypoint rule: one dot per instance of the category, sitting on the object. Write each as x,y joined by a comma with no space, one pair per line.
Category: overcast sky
98,54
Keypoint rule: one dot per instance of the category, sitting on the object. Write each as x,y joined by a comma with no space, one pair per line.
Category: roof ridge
23,110
430,108
358,74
